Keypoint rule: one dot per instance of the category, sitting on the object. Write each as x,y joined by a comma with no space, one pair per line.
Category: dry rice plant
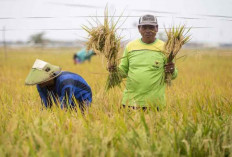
104,41
176,38
197,120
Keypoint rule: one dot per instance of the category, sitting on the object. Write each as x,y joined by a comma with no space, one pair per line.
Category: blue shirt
67,87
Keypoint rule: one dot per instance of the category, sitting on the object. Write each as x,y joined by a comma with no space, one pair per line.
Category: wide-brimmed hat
42,72
148,20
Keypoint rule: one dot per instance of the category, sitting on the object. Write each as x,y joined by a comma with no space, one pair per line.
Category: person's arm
43,96
124,65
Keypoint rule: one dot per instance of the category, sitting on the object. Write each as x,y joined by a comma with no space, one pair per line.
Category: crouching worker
59,87
83,55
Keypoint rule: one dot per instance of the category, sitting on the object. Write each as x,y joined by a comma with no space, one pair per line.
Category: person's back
67,87
59,87
83,55
89,54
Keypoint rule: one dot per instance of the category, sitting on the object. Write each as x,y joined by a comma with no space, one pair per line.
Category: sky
211,20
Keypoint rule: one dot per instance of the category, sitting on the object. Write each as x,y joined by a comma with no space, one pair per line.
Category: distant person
83,55
59,87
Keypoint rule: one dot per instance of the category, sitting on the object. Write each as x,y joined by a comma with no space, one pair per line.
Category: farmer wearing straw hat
144,65
59,87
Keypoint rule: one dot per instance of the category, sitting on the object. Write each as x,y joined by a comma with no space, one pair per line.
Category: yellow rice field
197,120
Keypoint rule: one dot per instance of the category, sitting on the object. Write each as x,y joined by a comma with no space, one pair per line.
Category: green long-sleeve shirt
143,65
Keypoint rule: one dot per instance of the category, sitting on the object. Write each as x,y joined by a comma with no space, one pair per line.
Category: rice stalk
176,38
104,41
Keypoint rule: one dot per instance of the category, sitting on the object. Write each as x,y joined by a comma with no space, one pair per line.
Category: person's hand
112,68
169,67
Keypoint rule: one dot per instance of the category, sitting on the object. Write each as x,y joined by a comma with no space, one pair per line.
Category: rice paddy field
197,120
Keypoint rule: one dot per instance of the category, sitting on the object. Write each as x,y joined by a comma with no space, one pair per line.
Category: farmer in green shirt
144,64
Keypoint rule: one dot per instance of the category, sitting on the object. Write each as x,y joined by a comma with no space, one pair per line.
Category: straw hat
42,72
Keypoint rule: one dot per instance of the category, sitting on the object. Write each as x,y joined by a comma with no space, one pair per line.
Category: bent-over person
59,87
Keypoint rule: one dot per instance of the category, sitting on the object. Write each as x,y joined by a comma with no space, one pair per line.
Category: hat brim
150,24
36,76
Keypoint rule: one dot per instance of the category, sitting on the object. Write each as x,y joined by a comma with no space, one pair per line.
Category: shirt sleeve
124,65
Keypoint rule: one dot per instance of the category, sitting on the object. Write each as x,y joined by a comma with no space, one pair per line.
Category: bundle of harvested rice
104,41
176,38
